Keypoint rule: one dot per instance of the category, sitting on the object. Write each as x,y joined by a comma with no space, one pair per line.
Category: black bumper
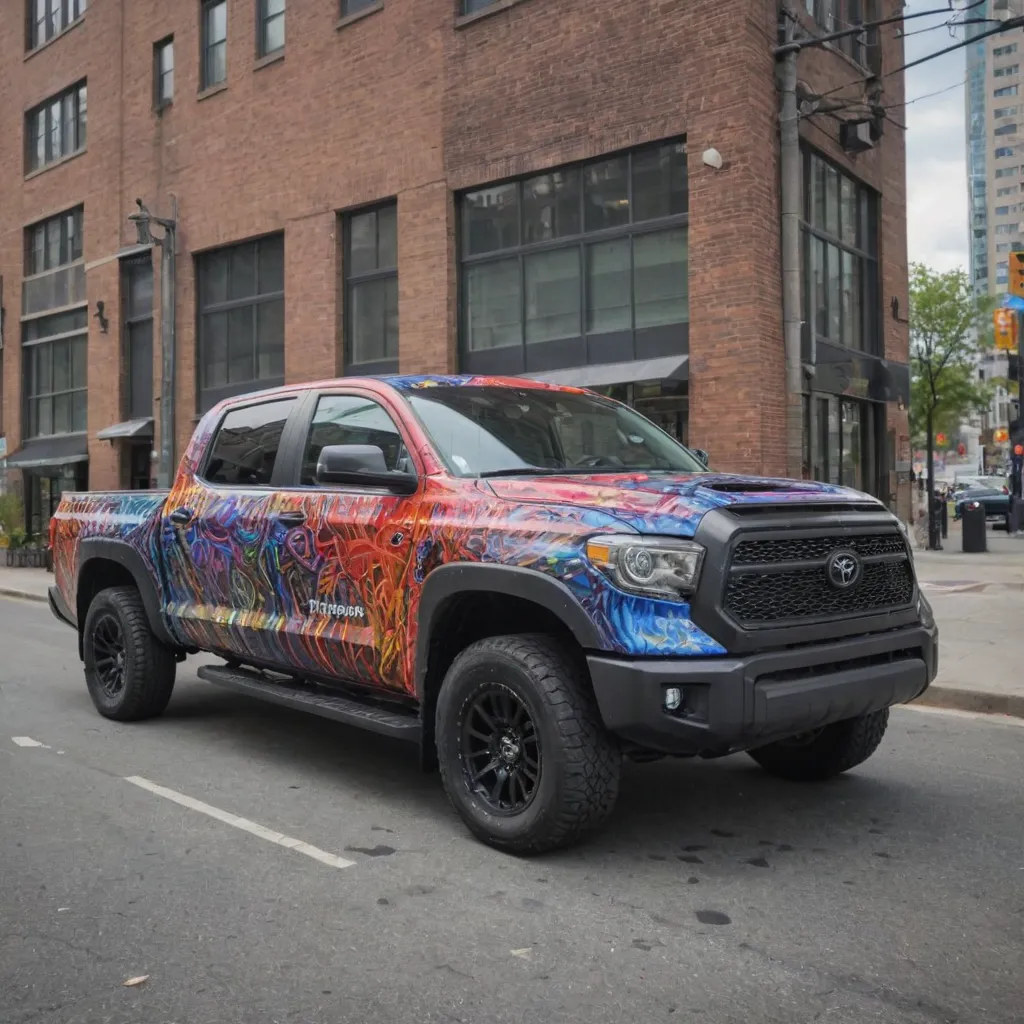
59,607
731,704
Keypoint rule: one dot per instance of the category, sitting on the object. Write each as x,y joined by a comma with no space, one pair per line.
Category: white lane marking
242,823
27,741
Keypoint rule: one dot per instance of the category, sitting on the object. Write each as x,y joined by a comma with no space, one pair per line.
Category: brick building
509,186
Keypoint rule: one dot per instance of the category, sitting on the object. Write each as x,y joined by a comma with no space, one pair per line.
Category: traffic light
1004,327
1017,274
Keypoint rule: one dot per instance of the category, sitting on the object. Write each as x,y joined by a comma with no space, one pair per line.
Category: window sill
267,59
462,20
60,35
56,163
162,107
205,94
351,19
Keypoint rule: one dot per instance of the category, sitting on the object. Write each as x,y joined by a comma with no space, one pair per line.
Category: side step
333,706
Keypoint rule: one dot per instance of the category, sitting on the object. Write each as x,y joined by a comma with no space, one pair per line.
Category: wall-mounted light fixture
101,316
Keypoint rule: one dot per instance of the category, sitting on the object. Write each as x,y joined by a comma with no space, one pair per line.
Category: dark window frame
206,46
39,31
349,8
863,49
160,75
387,363
588,348
208,395
264,18
67,240
75,125
131,320
33,399
869,221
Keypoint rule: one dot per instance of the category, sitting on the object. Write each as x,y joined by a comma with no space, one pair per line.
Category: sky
936,161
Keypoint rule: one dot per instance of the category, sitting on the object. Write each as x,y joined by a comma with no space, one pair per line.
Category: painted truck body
784,608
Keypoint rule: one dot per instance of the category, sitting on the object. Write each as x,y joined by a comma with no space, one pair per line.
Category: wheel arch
103,563
465,602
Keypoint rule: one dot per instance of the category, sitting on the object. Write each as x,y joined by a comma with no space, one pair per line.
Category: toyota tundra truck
531,582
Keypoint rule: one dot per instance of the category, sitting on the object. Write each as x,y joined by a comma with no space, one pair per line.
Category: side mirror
702,456
361,465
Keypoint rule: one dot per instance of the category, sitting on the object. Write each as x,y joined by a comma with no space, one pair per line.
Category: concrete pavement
889,896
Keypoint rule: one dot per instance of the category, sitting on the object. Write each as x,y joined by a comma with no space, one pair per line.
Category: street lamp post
168,244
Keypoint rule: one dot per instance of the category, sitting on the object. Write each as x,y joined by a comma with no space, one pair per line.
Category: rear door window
245,448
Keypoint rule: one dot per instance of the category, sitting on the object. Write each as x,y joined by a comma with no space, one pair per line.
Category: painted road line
27,741
242,823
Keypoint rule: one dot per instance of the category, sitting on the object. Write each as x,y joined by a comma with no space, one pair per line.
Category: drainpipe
168,282
791,188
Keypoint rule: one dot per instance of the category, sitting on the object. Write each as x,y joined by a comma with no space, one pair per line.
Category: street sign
1017,274
1004,326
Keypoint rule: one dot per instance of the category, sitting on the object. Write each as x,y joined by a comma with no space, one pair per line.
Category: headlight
652,566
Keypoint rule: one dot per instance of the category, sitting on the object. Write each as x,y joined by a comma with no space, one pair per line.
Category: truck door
223,530
346,574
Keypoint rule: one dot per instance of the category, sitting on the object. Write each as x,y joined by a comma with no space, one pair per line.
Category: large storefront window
840,257
53,355
845,442
241,319
582,264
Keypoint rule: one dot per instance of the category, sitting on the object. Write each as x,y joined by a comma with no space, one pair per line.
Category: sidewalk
978,602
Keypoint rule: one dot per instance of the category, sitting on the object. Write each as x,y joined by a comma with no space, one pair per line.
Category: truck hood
667,504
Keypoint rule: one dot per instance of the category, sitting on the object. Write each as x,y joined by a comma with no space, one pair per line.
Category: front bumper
731,704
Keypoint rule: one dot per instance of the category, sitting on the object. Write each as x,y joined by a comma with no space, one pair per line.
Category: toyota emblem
843,569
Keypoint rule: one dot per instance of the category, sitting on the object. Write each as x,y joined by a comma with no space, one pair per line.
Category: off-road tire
836,749
149,665
579,761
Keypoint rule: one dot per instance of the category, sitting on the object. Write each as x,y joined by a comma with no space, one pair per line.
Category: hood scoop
751,487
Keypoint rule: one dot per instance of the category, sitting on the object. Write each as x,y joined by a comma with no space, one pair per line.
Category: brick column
312,312
105,371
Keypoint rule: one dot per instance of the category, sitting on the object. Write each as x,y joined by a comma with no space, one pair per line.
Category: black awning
596,375
130,428
50,451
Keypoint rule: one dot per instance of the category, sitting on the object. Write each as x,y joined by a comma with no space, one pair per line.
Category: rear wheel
524,757
129,672
825,752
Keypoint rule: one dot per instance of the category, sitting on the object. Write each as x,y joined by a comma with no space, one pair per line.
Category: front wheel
129,672
522,752
826,752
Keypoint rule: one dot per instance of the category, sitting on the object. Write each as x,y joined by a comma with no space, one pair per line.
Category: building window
56,128
355,6
163,72
241,319
53,357
1003,247
54,270
1007,71
47,18
472,6
1005,51
1006,129
1006,90
836,15
137,313
1007,172
844,443
581,264
214,36
841,256
1002,211
1006,229
371,289
270,27
1005,112
1004,151
1008,190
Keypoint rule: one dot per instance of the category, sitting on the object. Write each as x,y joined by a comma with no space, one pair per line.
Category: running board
333,706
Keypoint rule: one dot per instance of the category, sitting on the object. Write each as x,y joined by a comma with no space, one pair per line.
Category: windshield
502,431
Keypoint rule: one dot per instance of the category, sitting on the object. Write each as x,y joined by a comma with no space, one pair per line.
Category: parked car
531,582
996,502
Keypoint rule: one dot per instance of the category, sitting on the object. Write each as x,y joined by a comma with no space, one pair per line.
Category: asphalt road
895,894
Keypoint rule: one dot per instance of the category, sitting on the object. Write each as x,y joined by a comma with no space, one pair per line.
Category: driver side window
352,419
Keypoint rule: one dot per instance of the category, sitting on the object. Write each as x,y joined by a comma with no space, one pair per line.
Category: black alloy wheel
108,648
500,750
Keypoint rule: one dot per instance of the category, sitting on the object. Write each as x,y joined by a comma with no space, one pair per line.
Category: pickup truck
532,582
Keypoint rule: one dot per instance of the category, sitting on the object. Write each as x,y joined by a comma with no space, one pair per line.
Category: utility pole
168,244
791,200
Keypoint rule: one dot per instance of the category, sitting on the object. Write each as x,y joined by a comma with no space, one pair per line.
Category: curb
25,595
978,701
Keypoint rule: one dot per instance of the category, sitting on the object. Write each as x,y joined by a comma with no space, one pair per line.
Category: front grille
785,580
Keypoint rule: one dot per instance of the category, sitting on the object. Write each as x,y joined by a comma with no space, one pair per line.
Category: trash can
975,537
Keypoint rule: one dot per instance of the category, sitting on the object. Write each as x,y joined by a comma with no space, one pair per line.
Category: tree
949,328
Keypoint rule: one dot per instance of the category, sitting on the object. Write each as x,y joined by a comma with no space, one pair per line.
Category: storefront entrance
43,490
845,435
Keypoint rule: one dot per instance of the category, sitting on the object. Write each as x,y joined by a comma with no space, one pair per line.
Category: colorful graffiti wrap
338,596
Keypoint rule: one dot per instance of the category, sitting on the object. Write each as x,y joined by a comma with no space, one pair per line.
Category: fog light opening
673,698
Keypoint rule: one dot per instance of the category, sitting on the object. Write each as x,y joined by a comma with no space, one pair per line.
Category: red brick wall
414,104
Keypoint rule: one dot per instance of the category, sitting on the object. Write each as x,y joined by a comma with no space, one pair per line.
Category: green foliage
949,327
12,518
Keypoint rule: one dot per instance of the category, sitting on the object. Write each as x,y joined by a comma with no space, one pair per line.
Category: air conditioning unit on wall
856,136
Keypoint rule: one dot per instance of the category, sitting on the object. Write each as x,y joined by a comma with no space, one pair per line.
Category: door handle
291,519
181,516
